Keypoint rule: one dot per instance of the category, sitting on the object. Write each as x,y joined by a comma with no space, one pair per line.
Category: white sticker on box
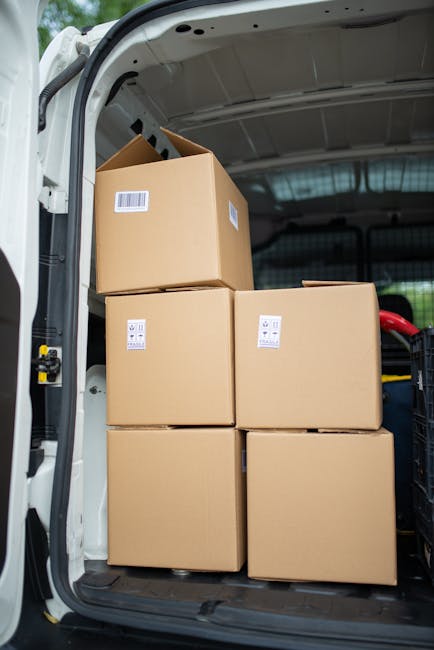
233,215
420,380
132,201
269,331
136,334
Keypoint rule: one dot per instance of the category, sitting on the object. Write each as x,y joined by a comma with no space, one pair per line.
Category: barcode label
132,201
233,215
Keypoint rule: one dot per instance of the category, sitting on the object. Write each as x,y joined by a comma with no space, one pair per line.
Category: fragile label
132,201
233,215
136,334
269,331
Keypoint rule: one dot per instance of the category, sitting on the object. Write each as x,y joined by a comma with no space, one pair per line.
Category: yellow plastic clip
43,350
51,618
42,377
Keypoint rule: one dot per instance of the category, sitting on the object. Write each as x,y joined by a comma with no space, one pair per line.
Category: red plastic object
391,321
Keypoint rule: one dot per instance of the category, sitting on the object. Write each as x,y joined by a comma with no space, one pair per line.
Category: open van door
19,183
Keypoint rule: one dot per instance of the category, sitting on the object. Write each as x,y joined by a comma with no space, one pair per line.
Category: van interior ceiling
328,131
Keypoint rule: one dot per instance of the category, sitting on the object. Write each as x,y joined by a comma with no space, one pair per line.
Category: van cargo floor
401,616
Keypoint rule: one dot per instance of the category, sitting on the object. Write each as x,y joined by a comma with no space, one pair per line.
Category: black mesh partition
401,263
309,254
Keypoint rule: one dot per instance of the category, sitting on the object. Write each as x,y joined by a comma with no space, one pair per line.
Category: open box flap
321,430
379,431
270,431
138,151
183,146
326,283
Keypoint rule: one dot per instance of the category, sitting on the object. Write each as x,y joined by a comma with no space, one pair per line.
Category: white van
322,111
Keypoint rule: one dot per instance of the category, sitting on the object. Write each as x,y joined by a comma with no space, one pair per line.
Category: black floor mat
227,600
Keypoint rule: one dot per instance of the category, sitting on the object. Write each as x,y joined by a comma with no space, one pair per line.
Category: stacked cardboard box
170,359
169,223
321,503
176,496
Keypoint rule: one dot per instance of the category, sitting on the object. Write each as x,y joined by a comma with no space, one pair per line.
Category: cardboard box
185,224
170,359
308,357
321,506
176,499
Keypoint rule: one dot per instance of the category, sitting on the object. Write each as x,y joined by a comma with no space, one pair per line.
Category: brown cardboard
185,237
327,283
326,372
321,506
185,374
176,499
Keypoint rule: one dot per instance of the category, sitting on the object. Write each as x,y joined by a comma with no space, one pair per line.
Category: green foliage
80,13
420,294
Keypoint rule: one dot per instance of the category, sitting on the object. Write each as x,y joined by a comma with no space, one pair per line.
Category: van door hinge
48,365
54,200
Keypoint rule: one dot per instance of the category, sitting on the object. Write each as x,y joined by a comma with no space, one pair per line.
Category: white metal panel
95,465
368,54
19,187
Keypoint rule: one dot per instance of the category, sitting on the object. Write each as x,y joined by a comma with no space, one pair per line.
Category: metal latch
49,365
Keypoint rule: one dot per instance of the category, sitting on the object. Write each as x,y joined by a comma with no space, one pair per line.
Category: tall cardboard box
170,359
176,499
308,357
321,506
169,223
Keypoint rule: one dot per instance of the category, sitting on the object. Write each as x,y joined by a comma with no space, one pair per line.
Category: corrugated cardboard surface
185,237
321,506
176,499
235,251
185,376
326,372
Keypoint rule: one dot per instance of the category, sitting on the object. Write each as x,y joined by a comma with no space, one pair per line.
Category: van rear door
19,226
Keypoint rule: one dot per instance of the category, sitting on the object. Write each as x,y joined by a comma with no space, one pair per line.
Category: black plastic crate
424,513
422,373
425,553
424,518
422,380
423,455
422,428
